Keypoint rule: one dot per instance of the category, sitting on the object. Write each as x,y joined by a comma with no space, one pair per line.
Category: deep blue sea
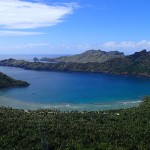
73,90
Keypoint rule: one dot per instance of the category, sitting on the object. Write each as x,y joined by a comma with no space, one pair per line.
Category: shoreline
80,106
109,127
64,67
19,104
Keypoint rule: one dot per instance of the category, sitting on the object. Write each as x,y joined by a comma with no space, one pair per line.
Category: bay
73,90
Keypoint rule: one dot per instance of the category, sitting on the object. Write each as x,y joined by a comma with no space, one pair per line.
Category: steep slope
6,81
136,64
88,56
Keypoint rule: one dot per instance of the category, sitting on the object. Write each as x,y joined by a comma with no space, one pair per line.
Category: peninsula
6,82
137,64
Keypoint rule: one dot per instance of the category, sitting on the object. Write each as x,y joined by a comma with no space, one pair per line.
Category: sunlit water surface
73,91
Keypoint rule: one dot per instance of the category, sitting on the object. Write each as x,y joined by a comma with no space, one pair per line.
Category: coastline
70,106
119,104
120,129
65,67
19,104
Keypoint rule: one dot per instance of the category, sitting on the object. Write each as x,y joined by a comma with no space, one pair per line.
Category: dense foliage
6,81
125,129
136,64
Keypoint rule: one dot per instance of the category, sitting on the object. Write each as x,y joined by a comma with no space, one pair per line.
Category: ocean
73,90
29,57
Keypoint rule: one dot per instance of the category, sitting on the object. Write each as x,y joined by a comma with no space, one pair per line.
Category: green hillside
88,56
6,81
136,64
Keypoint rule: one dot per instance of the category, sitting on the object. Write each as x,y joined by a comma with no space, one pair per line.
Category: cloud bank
128,44
20,15
17,14
128,47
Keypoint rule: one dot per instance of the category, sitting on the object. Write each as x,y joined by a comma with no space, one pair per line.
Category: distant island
137,64
6,81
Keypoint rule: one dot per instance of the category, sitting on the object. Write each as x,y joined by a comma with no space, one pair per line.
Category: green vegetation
97,56
137,64
6,81
125,129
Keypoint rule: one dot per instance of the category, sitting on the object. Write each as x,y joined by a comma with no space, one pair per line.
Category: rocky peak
139,54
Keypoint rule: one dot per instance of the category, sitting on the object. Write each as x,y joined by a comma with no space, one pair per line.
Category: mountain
136,64
6,81
88,56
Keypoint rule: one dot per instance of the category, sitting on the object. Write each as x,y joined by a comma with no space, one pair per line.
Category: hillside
88,56
6,81
136,64
125,129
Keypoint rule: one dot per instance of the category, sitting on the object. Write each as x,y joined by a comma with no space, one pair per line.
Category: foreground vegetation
6,81
125,129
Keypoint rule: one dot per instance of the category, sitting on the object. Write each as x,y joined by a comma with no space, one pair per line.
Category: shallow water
73,91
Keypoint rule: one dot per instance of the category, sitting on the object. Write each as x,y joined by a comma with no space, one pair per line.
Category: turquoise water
73,91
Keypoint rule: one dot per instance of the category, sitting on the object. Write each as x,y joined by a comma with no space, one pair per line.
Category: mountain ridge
98,56
137,64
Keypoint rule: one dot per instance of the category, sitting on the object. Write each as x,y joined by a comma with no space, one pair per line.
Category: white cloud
18,33
128,47
23,48
33,45
17,14
29,45
127,44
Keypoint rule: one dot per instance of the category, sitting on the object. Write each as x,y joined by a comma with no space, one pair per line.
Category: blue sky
70,27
